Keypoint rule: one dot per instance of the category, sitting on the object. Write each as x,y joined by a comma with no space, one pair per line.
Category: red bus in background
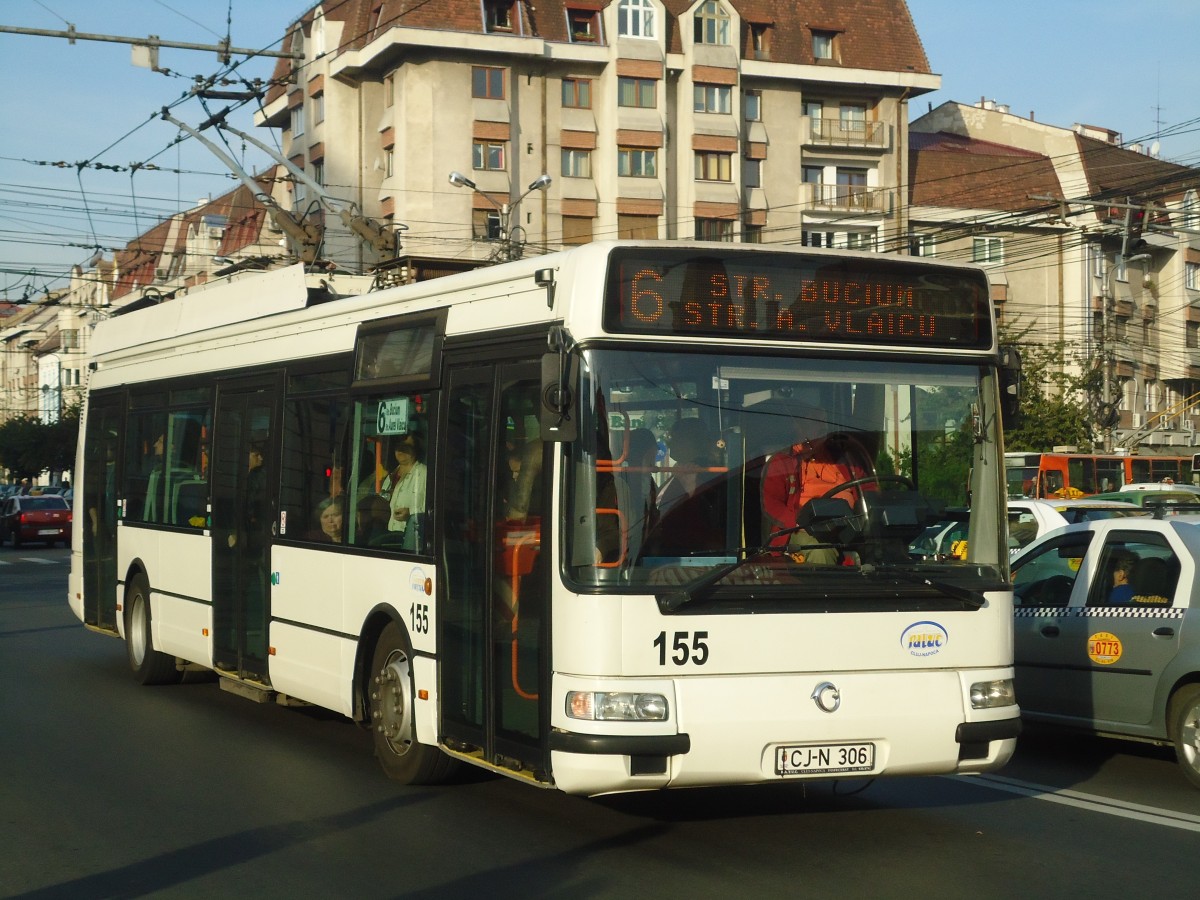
1068,475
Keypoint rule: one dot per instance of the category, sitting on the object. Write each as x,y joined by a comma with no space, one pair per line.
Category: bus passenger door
243,517
102,449
493,547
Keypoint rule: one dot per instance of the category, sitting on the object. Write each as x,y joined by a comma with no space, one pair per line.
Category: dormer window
712,24
760,40
583,26
824,45
635,18
498,15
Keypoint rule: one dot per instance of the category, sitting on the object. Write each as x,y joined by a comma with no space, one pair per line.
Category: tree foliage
1056,404
29,446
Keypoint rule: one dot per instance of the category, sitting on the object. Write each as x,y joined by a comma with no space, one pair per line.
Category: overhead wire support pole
222,49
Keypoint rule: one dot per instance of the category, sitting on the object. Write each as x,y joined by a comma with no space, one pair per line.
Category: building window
318,104
637,162
389,90
852,187
752,106
1191,276
577,93
712,98
712,24
860,240
583,26
1099,267
635,18
485,224
714,230
922,244
987,250
639,92
576,230
1120,270
760,40
297,120
318,172
752,234
816,238
576,163
752,173
823,44
853,120
1191,218
498,15
488,155
714,166
389,162
637,228
487,83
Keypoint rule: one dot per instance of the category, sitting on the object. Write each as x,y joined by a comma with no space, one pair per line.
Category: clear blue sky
1131,67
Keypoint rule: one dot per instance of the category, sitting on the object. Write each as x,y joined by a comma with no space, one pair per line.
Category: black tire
390,697
148,665
1183,723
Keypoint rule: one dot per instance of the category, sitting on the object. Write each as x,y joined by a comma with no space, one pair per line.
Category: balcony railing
846,198
831,131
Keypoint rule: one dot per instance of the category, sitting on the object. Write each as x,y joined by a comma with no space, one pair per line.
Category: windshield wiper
699,589
972,597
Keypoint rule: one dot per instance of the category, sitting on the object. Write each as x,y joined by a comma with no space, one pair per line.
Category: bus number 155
684,646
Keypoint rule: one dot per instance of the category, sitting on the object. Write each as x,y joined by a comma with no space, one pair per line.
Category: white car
1028,520
1098,652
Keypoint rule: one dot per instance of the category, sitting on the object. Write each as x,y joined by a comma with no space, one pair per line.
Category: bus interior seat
189,500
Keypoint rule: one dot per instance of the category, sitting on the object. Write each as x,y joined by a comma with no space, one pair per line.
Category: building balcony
843,198
830,131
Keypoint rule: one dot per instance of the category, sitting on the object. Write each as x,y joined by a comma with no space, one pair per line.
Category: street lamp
510,247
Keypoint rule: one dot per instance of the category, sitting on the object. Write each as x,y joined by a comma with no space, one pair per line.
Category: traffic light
1135,222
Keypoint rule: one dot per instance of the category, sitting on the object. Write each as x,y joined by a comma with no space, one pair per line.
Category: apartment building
1058,216
739,120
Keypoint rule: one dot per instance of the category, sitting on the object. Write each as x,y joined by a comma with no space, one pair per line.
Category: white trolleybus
630,516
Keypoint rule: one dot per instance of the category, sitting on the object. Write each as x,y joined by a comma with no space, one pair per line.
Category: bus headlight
990,694
620,706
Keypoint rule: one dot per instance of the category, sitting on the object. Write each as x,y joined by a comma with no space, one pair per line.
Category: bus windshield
783,470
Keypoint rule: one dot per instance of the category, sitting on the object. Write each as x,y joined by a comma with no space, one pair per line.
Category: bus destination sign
796,297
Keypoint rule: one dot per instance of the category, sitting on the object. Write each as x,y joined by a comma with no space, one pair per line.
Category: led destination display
796,297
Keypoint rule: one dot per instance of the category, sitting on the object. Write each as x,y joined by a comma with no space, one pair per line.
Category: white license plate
49,530
824,759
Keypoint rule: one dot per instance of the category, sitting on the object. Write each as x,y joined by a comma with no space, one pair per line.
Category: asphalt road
115,790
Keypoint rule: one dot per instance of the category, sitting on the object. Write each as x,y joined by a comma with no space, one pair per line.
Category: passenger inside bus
630,496
405,484
691,502
329,515
371,517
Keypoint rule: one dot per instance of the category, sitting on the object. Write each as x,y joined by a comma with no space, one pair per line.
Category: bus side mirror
558,413
1010,387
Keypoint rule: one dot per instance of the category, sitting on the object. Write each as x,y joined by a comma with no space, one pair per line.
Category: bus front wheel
393,726
149,666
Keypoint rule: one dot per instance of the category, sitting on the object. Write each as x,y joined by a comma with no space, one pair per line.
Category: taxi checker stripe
1098,612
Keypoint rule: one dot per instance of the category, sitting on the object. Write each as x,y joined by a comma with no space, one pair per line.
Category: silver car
1107,629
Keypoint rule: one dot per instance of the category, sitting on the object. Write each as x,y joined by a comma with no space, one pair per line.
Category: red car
43,518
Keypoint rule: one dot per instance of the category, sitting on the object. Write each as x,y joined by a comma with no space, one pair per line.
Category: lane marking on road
1094,802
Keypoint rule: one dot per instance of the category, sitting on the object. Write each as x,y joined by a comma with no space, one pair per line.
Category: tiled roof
1114,172
872,34
950,170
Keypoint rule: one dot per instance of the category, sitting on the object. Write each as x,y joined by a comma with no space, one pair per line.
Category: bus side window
314,431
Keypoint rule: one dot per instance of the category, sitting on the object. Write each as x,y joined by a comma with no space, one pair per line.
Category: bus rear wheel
1183,718
390,694
149,666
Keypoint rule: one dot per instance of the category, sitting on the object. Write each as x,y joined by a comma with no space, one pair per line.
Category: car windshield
688,465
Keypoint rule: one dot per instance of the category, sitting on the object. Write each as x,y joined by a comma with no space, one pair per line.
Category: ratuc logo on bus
924,638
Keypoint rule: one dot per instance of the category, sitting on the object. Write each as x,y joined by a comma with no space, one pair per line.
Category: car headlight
990,694
620,706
